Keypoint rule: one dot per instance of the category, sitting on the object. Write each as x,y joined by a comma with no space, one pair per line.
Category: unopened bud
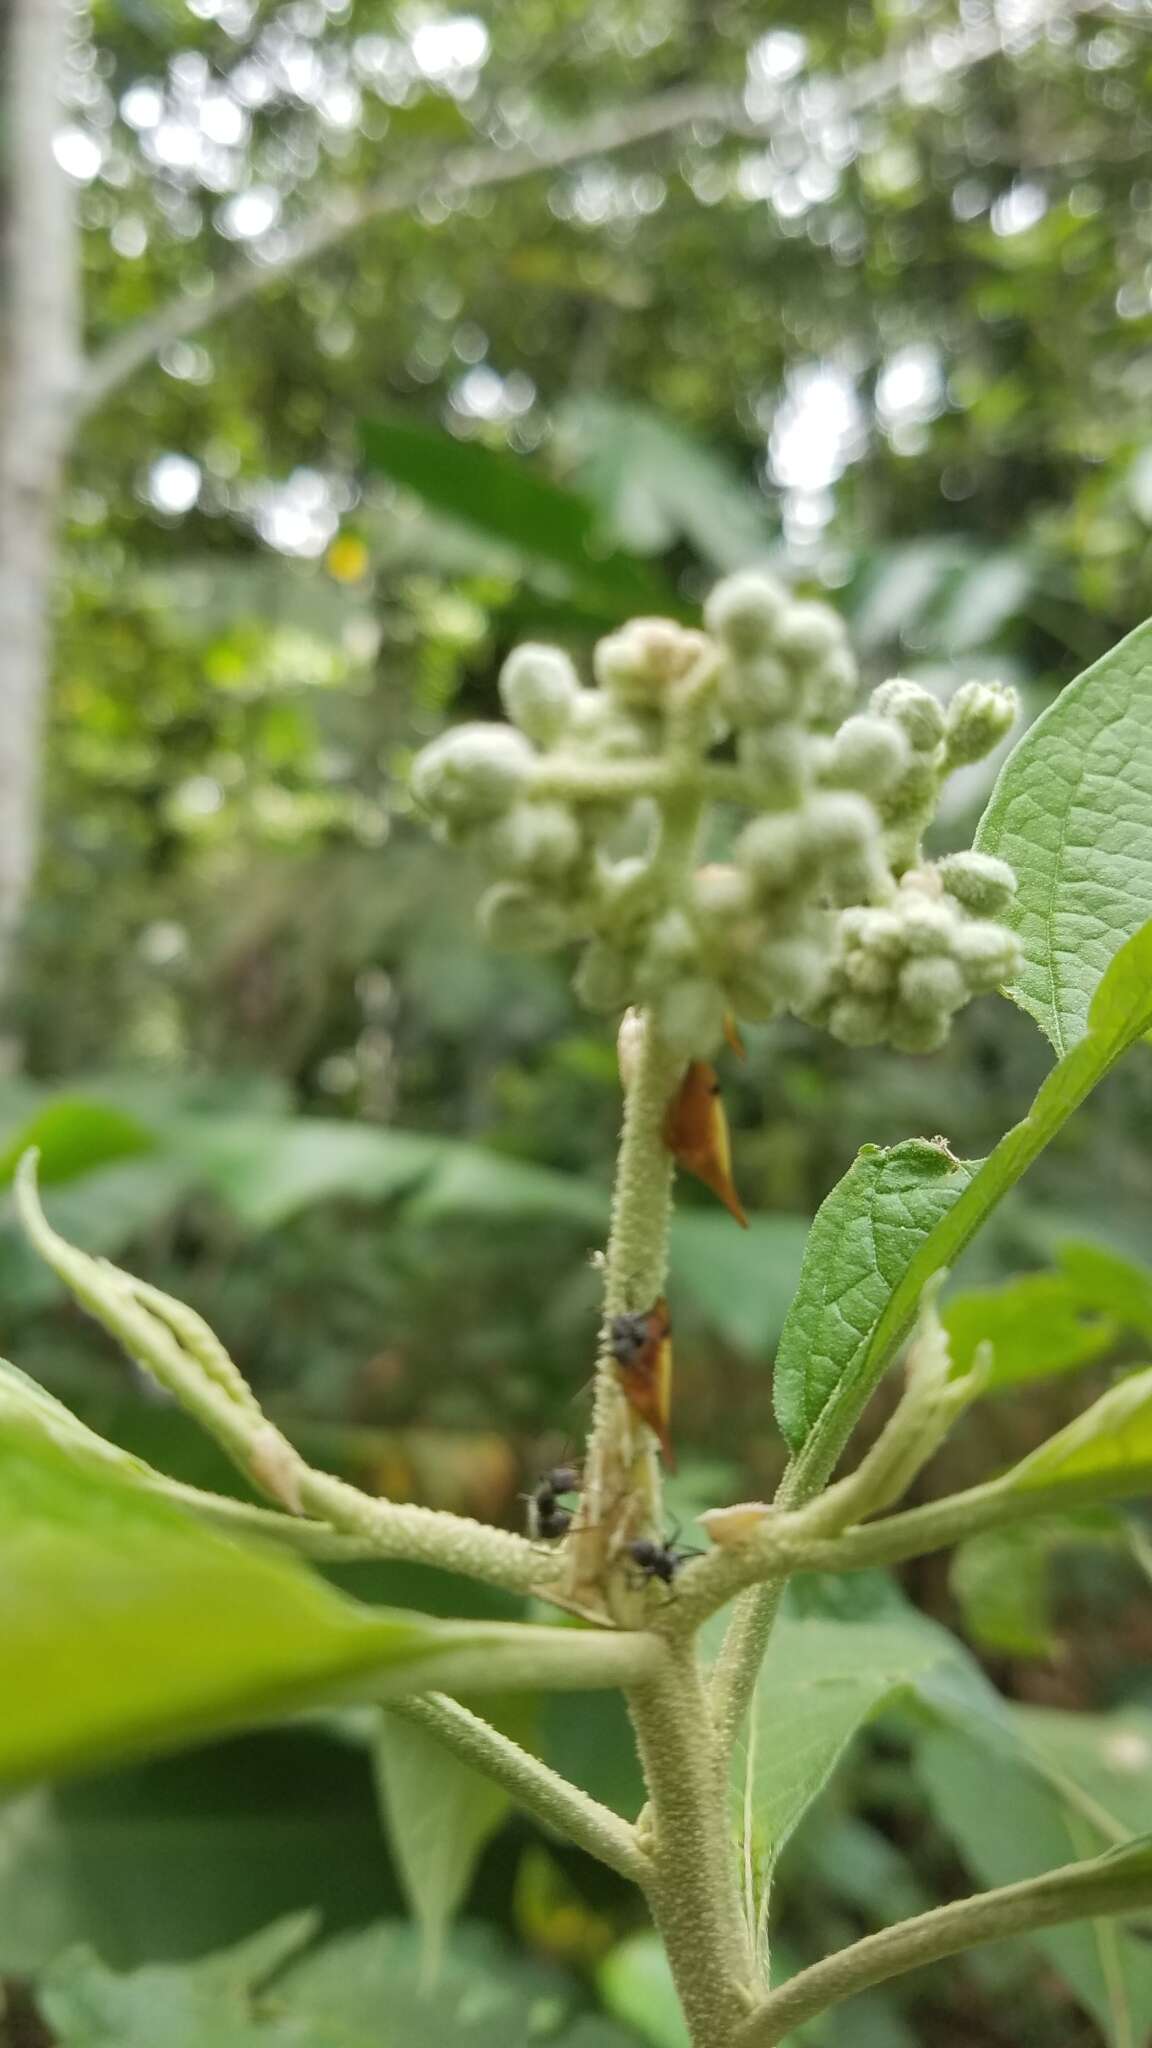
979,881
603,980
721,893
745,611
520,920
979,717
858,1020
756,690
911,1031
472,772
927,926
773,850
691,1017
830,689
640,663
775,759
541,839
809,634
539,690
988,954
913,708
932,987
868,754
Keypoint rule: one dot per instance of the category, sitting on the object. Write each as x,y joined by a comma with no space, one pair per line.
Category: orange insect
696,1134
641,1345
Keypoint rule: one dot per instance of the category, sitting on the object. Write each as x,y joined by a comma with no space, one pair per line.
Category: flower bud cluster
587,809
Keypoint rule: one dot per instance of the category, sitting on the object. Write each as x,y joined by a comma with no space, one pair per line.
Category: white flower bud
932,987
858,1020
673,942
600,727
640,663
539,689
874,931
910,1031
604,977
756,690
518,919
868,754
773,850
913,708
472,772
980,715
830,689
927,926
869,974
534,839
979,881
798,968
691,1015
809,634
988,955
721,894
754,995
775,759
628,892
745,611
840,823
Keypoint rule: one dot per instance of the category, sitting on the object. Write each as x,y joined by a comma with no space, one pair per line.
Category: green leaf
362,1991
1113,1436
827,1395
1037,1326
125,1624
739,1281
862,1242
266,1169
655,485
368,1991
1072,814
177,2005
1001,1581
440,1813
502,497
827,1674
1009,1825
73,1134
635,1982
1104,1280
471,1180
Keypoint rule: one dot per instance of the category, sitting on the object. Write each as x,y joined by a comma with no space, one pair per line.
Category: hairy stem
742,1653
1076,1892
621,1492
694,1891
531,1783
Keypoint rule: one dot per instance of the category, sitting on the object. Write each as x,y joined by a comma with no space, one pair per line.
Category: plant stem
742,1653
531,1783
621,1489
1076,1892
694,1891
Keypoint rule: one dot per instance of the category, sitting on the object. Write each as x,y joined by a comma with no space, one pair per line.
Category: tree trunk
39,363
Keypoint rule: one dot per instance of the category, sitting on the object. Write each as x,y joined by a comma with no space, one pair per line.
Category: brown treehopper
641,1345
696,1134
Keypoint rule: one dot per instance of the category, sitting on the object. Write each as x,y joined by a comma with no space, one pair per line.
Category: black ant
659,1560
547,1519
